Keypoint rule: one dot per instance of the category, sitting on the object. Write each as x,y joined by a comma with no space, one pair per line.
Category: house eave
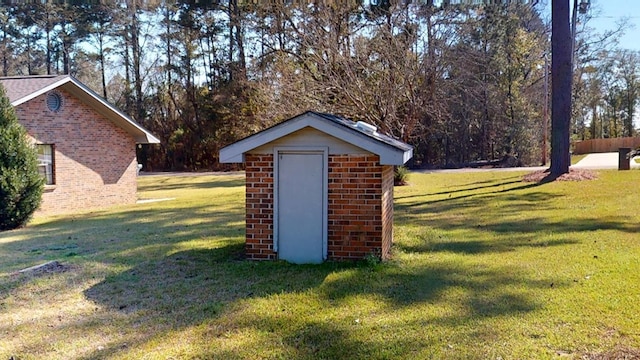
389,154
140,134
82,92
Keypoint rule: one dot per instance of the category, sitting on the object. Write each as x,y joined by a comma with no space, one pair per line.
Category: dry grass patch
616,354
573,175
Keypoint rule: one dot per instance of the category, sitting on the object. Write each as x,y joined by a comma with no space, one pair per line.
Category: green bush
401,176
21,185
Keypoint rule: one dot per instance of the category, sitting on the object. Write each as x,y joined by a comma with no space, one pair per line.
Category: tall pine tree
21,185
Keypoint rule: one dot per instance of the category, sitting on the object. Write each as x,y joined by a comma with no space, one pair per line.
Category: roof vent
368,128
54,101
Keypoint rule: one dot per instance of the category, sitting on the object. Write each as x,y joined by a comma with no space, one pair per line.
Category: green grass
576,158
484,266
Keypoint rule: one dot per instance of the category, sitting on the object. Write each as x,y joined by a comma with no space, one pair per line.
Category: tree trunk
560,87
236,37
66,63
137,64
127,69
48,34
101,59
5,51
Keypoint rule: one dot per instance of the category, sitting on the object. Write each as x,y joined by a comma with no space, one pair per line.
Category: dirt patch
573,175
616,354
51,267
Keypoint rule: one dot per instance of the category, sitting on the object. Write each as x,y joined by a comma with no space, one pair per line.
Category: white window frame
46,162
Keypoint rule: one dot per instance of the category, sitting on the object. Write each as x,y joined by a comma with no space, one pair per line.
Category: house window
45,162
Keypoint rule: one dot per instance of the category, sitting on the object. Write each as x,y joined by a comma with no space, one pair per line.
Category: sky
606,13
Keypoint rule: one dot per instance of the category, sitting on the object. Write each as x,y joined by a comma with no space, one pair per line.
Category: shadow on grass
216,289
486,184
486,291
514,222
100,243
121,237
191,288
521,233
463,201
167,289
471,247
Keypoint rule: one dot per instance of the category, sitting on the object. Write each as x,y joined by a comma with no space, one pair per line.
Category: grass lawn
576,158
485,266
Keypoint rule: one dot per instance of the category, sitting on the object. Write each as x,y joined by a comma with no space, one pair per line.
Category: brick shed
86,146
318,187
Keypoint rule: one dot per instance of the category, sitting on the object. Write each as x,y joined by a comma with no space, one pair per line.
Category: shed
318,187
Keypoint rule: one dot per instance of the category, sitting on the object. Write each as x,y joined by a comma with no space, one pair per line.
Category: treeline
459,83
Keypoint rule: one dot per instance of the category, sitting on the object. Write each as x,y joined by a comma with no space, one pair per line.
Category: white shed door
300,212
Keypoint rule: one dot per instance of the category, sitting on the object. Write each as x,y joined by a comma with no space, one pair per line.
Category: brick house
86,146
318,187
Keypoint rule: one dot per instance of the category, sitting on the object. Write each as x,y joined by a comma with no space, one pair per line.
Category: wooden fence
605,145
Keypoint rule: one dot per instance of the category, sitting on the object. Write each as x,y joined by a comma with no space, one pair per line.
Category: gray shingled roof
374,135
390,150
18,87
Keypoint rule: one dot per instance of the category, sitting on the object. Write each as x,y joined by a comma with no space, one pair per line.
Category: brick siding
356,212
94,159
259,201
360,207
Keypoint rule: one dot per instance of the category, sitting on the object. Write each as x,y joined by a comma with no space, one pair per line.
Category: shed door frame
325,189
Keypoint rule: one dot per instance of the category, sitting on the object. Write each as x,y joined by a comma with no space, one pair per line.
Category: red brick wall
95,160
355,219
259,200
360,206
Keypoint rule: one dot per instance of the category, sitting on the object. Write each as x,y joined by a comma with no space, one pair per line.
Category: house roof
391,151
20,89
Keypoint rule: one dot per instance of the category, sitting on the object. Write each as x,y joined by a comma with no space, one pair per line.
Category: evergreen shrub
21,185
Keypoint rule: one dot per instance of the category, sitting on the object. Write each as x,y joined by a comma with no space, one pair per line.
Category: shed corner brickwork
355,168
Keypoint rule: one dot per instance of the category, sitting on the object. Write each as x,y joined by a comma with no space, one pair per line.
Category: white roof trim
148,137
389,155
151,139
